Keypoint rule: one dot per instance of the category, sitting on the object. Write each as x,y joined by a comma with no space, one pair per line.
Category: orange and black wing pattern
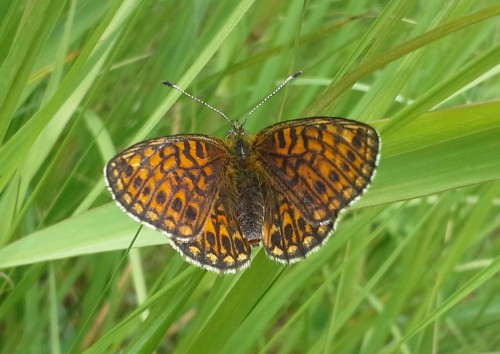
318,166
220,247
288,236
169,183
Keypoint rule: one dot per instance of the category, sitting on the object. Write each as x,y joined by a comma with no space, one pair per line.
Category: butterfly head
239,139
237,130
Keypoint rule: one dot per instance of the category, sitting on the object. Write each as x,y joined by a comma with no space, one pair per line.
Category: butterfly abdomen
250,208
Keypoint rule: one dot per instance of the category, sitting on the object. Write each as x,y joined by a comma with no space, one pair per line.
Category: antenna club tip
167,83
297,74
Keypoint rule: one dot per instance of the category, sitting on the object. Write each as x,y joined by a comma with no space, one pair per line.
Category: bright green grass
412,268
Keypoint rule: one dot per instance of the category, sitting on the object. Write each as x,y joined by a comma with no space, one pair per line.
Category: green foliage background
412,268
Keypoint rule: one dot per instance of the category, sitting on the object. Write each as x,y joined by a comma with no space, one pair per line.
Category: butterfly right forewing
321,164
313,168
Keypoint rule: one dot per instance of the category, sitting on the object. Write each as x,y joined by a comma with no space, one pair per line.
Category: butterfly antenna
283,84
174,86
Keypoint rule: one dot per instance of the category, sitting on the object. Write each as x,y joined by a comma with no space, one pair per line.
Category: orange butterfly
214,199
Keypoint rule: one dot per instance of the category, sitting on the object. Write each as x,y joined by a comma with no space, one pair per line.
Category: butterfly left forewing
169,183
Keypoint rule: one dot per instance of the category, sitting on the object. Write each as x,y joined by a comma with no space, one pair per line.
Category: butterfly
283,188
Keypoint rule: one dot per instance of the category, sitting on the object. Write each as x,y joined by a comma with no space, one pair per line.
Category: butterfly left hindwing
220,246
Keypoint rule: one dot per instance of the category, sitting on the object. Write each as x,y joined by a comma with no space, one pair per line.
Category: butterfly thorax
250,199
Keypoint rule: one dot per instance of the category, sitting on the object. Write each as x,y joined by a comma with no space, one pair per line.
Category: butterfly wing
321,164
317,167
169,183
288,236
220,247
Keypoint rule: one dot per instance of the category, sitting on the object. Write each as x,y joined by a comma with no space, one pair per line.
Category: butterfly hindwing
288,236
220,246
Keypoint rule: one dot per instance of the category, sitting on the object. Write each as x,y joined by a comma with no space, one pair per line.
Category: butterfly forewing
169,183
320,164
